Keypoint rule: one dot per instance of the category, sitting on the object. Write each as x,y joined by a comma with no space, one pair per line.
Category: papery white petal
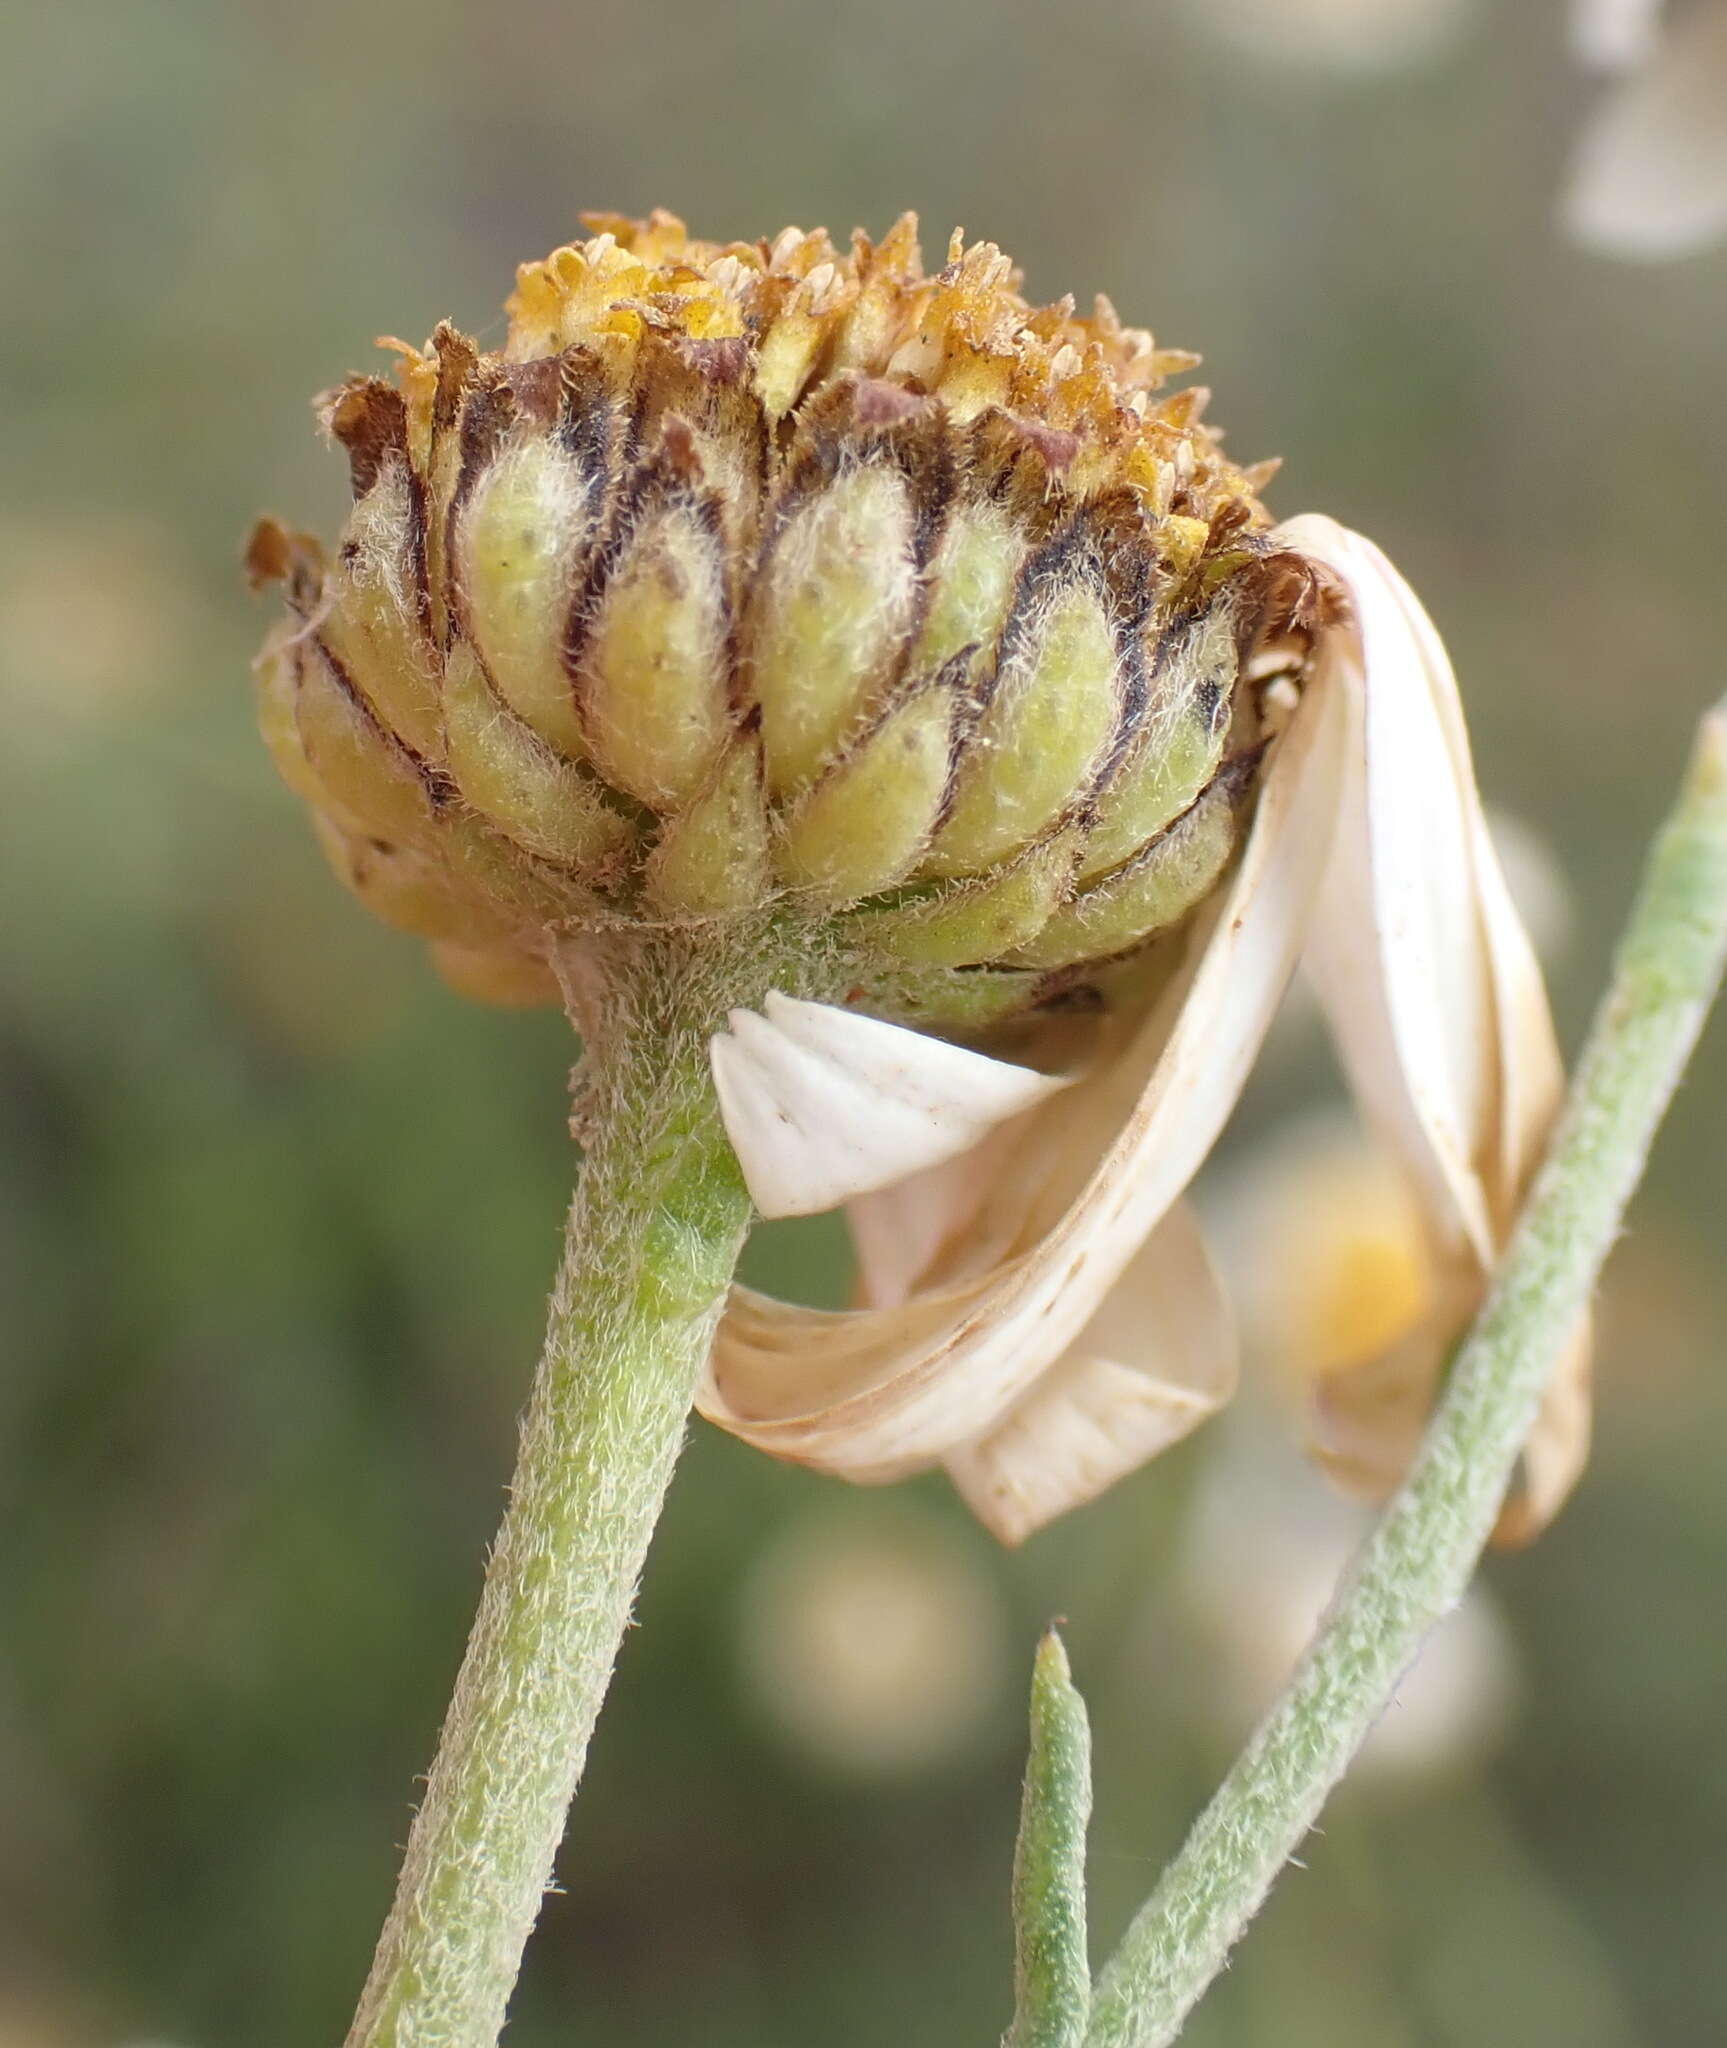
1435,1000
1650,177
821,1104
1157,1358
1420,960
899,1232
877,1392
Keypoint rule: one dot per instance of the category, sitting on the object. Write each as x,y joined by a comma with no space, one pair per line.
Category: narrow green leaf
1052,1977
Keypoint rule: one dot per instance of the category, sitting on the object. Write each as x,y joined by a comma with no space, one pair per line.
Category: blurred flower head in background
1319,1229
873,1637
1353,38
1329,1256
1333,1264
1321,1235
96,617
1649,178
1611,35
1265,1551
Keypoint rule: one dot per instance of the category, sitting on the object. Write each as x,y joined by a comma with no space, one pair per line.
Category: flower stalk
1419,1560
654,1231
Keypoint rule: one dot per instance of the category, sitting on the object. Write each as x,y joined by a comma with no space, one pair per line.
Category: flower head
766,587
766,575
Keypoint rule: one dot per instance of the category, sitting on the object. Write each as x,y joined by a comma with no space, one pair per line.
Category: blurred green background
277,1212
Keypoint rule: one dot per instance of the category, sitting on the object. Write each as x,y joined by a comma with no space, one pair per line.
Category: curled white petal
985,1340
1157,1358
1420,960
1436,1002
899,1232
1083,1182
821,1104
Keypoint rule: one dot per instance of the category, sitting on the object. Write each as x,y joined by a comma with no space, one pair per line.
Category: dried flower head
1038,1310
908,627
764,574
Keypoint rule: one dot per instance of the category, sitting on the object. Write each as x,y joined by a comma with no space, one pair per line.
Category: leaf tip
1051,1663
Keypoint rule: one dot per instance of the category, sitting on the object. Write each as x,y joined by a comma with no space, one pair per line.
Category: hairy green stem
654,1231
1421,1555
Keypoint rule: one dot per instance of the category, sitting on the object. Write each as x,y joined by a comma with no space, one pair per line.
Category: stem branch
654,1232
1418,1562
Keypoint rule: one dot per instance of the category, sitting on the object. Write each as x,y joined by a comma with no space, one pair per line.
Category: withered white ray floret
1019,1256
1040,1314
1435,999
822,1104
1156,1359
